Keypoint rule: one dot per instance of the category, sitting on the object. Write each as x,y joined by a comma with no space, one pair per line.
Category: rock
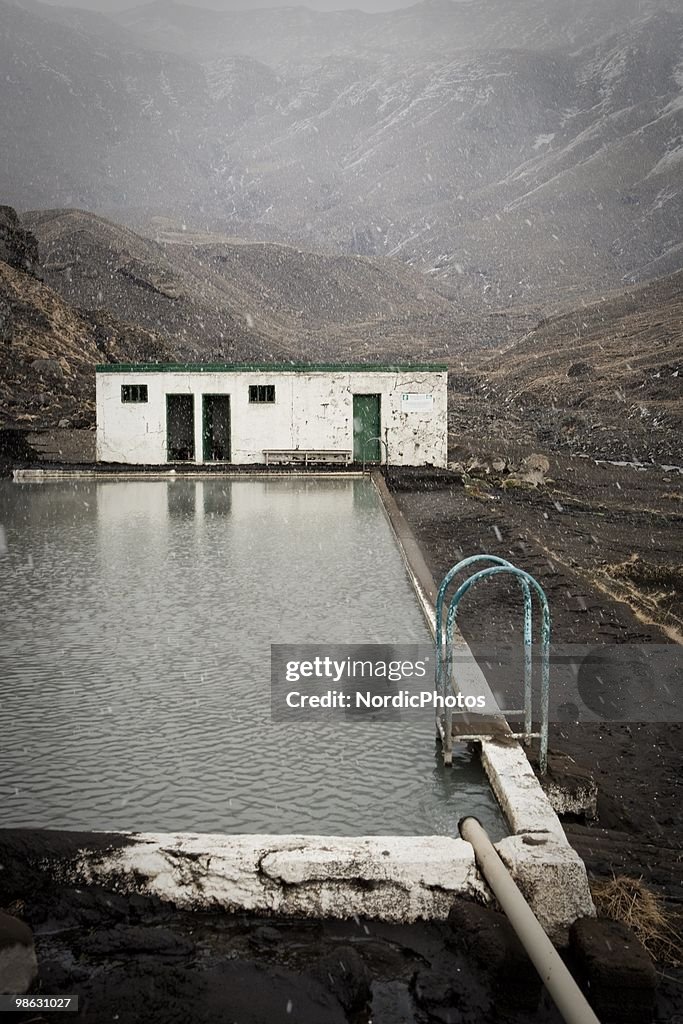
64,423
534,470
18,247
449,993
48,368
570,788
487,465
615,968
552,879
344,973
391,1003
578,369
488,937
18,964
536,464
129,940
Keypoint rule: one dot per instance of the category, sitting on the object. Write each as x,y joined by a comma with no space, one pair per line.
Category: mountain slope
606,378
122,298
524,153
49,350
87,117
220,299
516,176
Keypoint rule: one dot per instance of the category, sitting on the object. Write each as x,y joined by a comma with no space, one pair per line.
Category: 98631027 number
38,1002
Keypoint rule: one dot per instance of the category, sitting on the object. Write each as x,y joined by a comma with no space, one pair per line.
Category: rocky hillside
218,298
606,379
49,349
18,248
524,153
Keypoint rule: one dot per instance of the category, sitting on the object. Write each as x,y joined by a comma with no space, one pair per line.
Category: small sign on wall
414,402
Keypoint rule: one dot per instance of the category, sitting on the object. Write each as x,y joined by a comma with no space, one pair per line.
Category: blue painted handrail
441,683
527,583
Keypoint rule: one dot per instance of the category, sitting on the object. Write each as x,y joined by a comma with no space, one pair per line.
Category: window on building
261,392
133,392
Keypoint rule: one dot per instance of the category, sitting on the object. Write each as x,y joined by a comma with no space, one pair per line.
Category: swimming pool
135,661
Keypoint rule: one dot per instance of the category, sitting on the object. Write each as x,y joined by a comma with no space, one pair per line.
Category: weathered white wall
311,410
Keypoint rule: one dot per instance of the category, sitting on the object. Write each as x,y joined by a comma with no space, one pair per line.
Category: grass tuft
629,900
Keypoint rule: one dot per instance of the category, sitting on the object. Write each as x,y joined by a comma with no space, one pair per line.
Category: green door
367,425
216,428
180,428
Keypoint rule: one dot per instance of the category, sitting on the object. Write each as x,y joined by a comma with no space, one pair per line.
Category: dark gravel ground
138,961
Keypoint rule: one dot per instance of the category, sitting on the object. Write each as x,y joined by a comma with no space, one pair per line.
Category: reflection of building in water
215,497
151,414
132,529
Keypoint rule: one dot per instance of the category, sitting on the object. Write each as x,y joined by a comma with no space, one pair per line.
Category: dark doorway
180,428
216,428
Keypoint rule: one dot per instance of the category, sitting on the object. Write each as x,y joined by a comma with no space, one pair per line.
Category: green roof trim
269,367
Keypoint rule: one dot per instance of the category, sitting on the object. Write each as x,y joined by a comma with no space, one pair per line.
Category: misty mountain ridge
278,35
521,155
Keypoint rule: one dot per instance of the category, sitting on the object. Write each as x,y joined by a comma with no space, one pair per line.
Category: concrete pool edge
39,476
394,878
398,879
538,855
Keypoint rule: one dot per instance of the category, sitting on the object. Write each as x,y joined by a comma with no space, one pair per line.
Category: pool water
135,662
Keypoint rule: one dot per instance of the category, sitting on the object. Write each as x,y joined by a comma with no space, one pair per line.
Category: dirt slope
48,353
222,298
606,379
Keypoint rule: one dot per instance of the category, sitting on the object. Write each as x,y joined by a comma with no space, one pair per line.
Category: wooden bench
306,455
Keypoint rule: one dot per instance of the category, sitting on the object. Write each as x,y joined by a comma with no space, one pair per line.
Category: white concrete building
153,413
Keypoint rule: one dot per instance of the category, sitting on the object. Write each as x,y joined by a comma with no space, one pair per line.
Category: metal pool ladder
444,653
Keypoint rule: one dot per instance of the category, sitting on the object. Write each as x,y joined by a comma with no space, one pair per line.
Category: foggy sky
237,5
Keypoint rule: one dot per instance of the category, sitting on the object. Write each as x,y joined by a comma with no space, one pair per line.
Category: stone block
18,965
615,969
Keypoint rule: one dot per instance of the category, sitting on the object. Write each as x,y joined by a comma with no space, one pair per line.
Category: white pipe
566,994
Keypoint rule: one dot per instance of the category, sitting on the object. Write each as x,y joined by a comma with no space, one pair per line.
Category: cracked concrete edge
518,791
552,878
550,874
393,878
